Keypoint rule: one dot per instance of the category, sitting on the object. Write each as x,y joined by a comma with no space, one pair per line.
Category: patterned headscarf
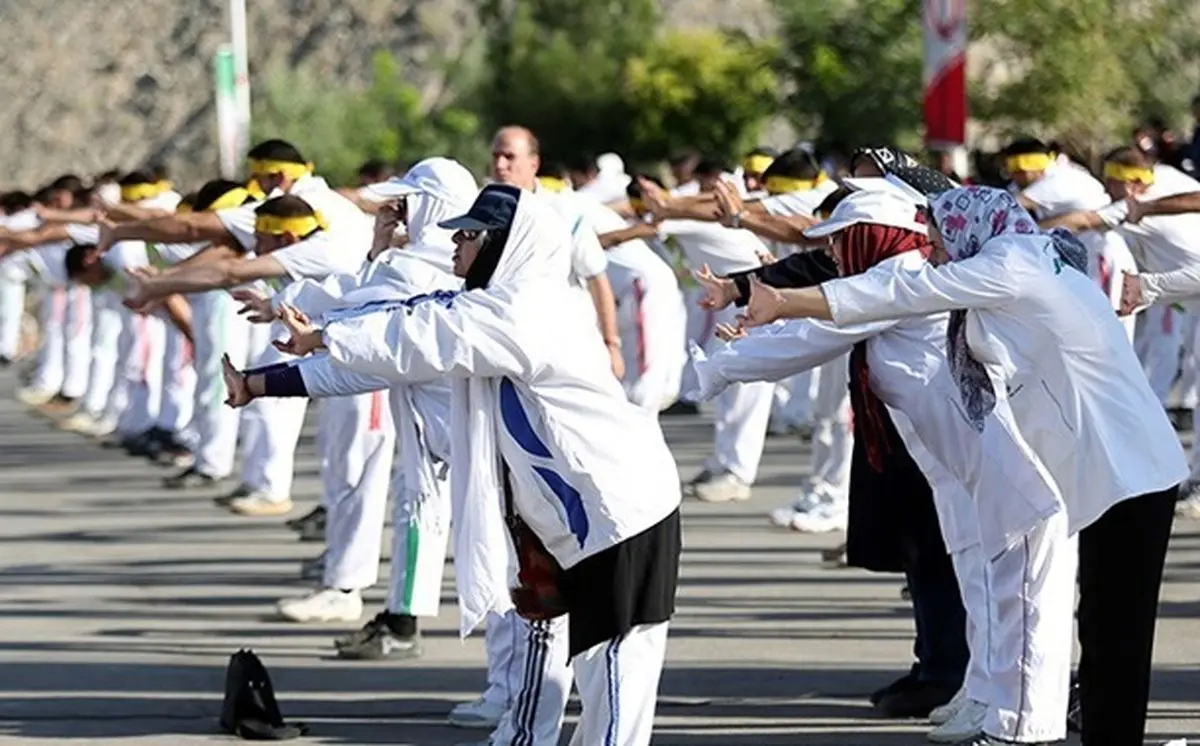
967,218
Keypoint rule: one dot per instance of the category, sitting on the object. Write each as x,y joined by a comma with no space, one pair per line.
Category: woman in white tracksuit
994,499
1028,325
543,439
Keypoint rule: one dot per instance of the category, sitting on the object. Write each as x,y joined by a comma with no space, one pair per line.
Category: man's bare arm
1079,221
180,312
635,231
216,275
1176,204
191,227
30,239
783,228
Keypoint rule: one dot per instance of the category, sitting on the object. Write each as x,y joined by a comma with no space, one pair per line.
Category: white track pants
218,331
1158,341
742,414
618,688
107,322
536,676
971,569
179,383
138,392
358,443
833,439
77,355
1032,589
52,317
421,526
12,305
270,427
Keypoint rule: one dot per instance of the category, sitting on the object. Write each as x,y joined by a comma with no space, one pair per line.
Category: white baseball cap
433,176
871,206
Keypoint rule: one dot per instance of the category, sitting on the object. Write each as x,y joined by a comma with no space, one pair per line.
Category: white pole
227,132
241,69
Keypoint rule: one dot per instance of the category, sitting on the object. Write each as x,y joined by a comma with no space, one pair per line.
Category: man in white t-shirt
743,410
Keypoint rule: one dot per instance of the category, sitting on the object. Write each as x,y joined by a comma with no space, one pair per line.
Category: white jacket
987,486
589,469
1048,336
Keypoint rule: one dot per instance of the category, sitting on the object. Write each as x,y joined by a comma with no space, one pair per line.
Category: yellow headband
1117,172
139,192
1033,162
637,204
255,190
552,183
756,164
302,226
288,169
785,184
183,208
233,198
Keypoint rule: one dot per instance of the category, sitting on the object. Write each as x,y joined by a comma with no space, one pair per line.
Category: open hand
387,220
1131,294
256,307
304,337
107,236
764,307
719,292
236,388
730,332
654,197
1135,210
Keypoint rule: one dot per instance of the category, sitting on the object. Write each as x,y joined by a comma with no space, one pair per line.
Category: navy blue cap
494,209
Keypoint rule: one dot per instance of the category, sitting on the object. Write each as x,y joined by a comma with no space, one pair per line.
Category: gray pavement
120,605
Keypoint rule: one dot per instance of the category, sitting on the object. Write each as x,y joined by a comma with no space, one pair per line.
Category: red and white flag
945,76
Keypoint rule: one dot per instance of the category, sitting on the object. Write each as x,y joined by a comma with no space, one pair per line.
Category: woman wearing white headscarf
543,439
1026,319
433,190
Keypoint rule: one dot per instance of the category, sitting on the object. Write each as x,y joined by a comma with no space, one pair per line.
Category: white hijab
535,264
447,190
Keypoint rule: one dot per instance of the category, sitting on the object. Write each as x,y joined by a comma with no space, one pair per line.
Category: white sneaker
782,516
478,714
823,519
86,424
260,504
326,605
722,488
1189,501
34,397
967,723
945,712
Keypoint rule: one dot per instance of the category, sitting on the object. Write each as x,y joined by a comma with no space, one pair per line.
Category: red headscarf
863,246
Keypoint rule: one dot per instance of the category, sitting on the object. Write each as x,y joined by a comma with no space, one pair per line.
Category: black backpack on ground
250,710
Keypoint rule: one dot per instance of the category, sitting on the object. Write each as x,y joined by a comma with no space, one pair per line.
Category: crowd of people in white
984,375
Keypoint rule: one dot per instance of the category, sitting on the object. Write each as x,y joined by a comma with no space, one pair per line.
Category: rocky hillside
97,84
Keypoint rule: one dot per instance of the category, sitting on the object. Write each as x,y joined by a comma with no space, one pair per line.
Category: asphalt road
120,605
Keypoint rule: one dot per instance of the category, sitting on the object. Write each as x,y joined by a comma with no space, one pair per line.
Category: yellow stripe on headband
183,208
553,183
1117,172
255,189
233,198
637,205
756,164
1033,162
139,192
280,168
785,184
273,225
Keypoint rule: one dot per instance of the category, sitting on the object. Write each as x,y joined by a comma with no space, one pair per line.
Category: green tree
340,128
555,66
708,90
853,70
1083,71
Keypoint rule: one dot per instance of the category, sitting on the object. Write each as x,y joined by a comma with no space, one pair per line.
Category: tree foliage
707,90
853,70
340,128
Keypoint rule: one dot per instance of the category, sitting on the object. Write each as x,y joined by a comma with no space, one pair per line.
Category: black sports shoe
916,700
190,479
904,682
1074,709
310,527
378,640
